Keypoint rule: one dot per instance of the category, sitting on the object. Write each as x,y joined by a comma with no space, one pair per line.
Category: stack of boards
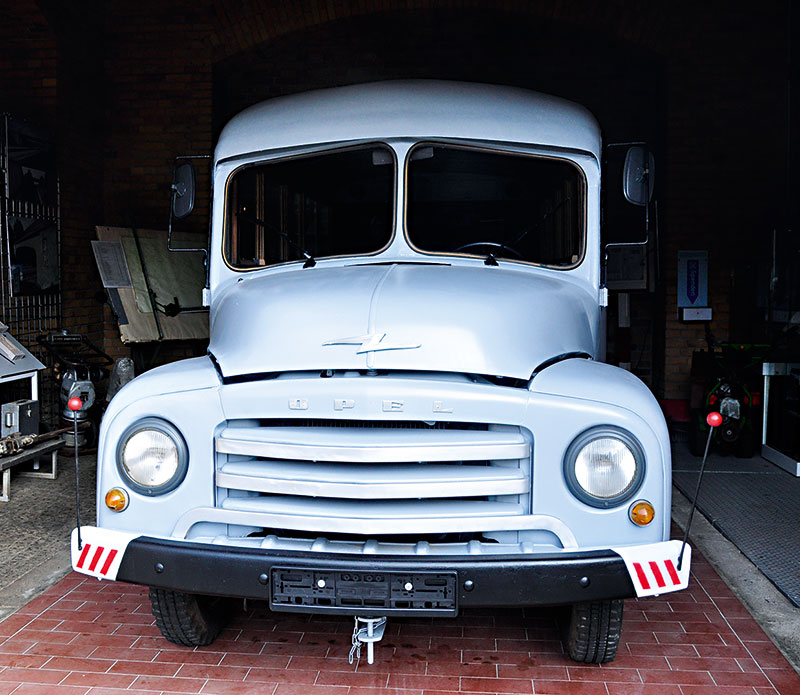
171,275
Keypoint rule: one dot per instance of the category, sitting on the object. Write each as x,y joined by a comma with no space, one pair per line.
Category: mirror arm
617,244
626,144
174,190
174,308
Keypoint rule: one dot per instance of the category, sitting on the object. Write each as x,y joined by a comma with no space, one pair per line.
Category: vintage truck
403,410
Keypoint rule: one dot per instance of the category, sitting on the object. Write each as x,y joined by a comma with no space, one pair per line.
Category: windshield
481,202
326,204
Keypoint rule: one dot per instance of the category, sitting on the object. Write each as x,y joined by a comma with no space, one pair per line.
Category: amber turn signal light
116,499
641,513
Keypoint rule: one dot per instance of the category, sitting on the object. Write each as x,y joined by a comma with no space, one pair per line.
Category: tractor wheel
746,444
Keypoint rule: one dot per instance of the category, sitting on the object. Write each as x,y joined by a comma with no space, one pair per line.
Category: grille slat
372,513
372,445
364,481
278,515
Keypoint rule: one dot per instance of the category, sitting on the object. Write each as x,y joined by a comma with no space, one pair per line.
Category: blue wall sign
692,278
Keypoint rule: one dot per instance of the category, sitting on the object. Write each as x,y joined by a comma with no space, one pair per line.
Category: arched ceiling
241,26
618,81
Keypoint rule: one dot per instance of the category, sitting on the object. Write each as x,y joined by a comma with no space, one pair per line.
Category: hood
417,317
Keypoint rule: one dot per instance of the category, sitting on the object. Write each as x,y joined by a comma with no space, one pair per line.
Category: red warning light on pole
714,419
74,404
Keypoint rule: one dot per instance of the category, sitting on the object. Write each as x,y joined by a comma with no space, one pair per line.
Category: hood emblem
372,343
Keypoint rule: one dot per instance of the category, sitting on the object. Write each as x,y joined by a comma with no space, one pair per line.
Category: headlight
152,456
604,466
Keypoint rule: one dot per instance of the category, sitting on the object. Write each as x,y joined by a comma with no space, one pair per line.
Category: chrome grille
373,477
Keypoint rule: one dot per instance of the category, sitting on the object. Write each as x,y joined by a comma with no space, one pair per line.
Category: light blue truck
403,409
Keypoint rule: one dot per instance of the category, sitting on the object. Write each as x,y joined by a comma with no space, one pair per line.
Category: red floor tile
497,685
33,689
642,689
29,675
84,637
285,689
566,688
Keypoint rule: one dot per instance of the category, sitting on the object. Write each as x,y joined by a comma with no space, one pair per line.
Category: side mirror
183,190
638,176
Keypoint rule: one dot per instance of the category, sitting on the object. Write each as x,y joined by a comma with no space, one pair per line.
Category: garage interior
98,99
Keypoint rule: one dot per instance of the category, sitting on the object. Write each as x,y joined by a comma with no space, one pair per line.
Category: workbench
31,453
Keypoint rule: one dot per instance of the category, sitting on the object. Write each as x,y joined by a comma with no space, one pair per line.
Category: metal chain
355,650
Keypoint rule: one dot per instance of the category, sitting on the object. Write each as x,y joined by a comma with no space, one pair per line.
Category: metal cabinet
781,434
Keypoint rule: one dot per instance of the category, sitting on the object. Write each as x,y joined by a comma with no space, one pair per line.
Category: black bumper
479,581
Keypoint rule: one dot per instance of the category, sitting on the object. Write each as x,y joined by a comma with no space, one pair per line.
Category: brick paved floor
85,637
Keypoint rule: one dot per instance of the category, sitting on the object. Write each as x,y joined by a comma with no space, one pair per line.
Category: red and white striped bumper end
101,551
654,568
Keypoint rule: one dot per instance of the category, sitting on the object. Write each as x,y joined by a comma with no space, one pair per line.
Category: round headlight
604,466
152,456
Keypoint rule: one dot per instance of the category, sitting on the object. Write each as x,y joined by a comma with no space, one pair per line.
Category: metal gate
30,245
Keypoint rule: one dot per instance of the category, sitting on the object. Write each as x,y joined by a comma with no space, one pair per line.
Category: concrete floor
35,525
773,612
81,636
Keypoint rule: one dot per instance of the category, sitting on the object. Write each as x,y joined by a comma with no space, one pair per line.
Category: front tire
186,619
594,631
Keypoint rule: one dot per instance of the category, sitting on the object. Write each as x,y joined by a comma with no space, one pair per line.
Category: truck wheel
186,619
594,631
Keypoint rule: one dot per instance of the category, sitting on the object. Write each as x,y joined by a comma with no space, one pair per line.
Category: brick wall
81,129
158,105
157,68
55,83
726,130
28,63
703,81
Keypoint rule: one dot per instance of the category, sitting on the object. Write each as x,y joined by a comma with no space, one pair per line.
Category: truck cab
403,410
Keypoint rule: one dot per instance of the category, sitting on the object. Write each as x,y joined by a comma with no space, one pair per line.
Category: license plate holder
355,592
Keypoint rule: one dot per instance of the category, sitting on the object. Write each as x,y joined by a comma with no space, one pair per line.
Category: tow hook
371,632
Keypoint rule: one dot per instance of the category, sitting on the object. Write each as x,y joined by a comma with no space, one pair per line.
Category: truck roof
414,109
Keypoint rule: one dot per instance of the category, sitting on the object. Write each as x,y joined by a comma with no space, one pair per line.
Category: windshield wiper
310,262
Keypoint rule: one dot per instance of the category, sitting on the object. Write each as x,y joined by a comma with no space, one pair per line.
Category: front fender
603,383
571,396
186,394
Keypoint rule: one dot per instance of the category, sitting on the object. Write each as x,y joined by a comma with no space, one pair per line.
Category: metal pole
75,404
713,420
